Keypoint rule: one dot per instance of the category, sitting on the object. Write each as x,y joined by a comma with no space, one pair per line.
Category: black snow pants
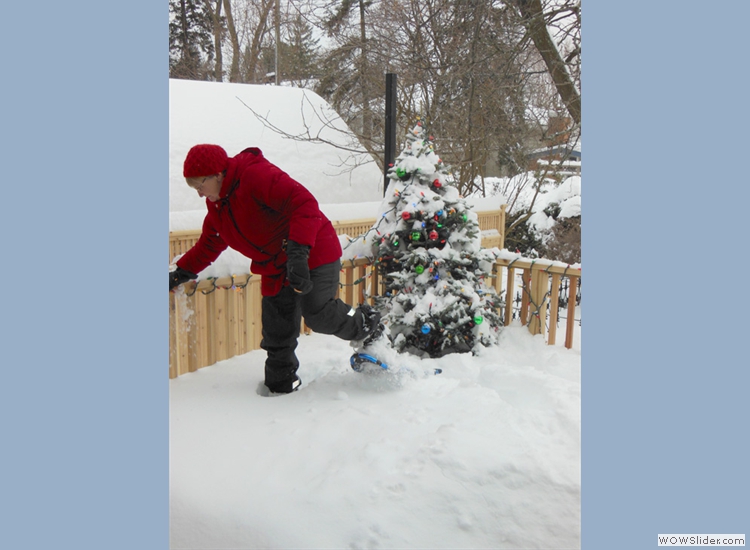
323,312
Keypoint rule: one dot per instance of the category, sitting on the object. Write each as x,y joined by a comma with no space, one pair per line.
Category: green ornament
419,269
415,236
478,320
464,217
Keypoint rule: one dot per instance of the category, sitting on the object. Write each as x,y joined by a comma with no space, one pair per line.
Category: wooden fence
212,321
540,286
220,318
216,319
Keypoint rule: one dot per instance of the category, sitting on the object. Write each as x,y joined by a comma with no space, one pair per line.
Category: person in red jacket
257,209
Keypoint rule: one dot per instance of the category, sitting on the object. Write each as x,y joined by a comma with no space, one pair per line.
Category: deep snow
484,455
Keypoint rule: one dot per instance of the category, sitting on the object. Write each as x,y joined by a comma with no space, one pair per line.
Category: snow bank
484,455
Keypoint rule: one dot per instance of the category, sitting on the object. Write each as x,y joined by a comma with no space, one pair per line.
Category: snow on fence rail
217,319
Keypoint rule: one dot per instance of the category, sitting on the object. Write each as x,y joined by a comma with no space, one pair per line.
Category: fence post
375,283
349,284
182,344
525,294
254,299
361,290
553,304
571,311
174,355
509,288
539,284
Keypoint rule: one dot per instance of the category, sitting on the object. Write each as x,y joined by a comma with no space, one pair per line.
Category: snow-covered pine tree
428,249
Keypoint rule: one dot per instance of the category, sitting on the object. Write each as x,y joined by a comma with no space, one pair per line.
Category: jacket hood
236,165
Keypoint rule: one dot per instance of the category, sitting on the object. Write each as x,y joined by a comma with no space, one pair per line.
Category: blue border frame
665,383
85,221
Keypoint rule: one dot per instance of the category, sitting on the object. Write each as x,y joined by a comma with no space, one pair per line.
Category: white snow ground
484,455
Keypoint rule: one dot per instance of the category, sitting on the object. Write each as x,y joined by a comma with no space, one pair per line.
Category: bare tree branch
359,155
533,17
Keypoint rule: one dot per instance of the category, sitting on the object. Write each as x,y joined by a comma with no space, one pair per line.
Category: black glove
179,276
297,270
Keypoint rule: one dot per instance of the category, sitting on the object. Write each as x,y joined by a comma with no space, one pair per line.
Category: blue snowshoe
373,329
362,362
359,361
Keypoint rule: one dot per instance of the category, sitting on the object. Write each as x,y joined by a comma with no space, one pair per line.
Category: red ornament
433,235
437,183
405,215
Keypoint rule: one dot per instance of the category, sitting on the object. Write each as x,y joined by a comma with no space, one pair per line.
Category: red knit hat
205,160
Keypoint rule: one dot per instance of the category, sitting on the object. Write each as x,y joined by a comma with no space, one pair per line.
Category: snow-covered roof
222,113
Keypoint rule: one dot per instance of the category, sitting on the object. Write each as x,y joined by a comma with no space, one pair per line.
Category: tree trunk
216,18
234,71
184,27
533,17
258,35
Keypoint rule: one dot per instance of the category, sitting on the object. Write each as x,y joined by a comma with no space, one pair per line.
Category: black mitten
179,276
297,270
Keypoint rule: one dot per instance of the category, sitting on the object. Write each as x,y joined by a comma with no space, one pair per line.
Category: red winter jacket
260,207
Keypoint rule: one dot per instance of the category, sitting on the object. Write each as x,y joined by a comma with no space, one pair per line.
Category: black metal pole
390,125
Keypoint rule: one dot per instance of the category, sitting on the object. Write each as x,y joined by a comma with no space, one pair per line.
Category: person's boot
287,387
371,325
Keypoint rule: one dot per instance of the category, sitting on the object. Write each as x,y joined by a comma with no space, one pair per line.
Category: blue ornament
426,328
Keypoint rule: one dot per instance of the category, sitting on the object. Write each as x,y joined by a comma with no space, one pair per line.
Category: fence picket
509,287
525,293
173,342
571,312
538,301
